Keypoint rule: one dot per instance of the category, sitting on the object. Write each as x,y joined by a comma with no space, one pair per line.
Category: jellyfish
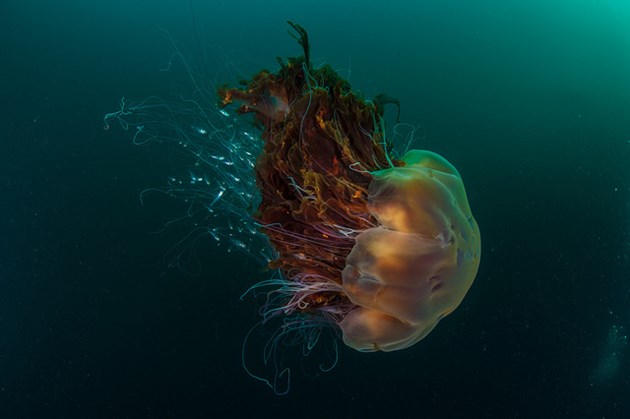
372,243
383,247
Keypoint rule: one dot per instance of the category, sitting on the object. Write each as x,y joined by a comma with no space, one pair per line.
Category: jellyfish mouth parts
384,247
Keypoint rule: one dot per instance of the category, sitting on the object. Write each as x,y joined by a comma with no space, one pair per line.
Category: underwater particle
609,361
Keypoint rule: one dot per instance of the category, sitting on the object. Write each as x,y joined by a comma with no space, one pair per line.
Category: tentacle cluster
322,141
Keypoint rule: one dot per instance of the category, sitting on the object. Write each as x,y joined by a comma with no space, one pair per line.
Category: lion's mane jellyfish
358,238
384,247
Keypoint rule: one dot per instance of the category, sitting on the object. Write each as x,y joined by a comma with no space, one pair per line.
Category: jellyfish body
361,242
416,266
376,246
382,247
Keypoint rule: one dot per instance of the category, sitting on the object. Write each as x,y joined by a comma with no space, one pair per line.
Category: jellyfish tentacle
302,38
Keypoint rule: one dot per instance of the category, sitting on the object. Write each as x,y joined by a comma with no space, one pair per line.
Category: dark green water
531,102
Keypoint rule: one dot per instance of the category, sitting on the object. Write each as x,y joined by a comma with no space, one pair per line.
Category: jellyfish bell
416,266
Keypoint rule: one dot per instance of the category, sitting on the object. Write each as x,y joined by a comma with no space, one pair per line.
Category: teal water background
530,100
